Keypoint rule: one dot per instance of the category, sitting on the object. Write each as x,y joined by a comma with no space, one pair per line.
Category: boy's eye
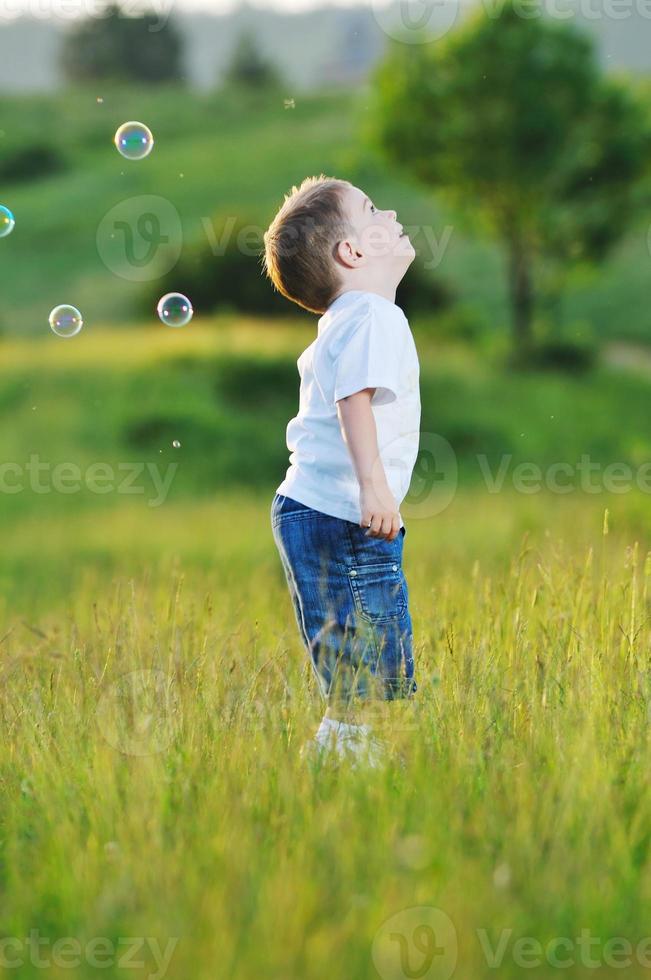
373,208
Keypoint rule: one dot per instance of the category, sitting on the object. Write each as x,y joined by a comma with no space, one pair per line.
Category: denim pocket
378,591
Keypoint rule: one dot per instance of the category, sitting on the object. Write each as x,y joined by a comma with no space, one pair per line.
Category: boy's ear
347,252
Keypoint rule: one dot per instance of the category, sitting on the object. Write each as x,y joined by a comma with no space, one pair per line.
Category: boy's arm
378,505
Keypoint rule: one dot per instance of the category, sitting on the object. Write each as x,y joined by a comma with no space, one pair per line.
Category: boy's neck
387,292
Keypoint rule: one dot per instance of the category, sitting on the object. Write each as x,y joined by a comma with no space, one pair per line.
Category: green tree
117,47
248,68
511,117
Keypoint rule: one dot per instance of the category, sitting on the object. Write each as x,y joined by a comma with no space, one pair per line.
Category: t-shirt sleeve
370,358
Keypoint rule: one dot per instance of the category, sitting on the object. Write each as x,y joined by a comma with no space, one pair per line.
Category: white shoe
352,743
364,750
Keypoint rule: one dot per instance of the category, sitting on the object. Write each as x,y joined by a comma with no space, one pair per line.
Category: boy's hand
378,505
380,511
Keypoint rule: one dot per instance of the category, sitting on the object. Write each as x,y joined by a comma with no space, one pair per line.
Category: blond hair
300,243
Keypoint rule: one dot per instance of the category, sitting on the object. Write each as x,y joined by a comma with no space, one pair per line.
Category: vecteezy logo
149,230
416,21
140,238
435,474
435,478
416,944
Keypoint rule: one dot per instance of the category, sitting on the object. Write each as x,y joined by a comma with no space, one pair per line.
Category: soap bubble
174,309
176,444
7,221
66,321
134,140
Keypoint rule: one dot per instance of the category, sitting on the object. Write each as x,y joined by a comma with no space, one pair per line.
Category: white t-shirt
363,341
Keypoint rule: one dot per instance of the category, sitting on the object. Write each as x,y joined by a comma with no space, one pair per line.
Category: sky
208,6
69,9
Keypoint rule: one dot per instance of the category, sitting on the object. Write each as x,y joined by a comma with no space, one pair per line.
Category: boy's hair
299,245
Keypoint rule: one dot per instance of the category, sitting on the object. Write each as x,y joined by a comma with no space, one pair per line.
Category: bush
30,161
249,68
246,384
563,355
460,322
419,293
115,46
231,281
573,350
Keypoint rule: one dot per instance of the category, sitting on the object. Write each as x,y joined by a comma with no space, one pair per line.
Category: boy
335,517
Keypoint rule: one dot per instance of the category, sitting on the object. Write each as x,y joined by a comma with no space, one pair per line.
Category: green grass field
155,692
151,728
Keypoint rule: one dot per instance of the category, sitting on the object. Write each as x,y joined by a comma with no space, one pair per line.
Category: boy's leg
394,720
308,547
359,642
370,711
387,704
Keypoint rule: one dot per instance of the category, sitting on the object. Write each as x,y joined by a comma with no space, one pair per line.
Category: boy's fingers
384,528
377,526
375,530
368,523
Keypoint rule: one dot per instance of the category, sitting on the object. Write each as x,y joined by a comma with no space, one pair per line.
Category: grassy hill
235,155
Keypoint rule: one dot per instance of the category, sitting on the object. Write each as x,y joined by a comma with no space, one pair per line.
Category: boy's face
376,239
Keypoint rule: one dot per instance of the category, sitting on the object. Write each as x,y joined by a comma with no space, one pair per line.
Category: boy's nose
394,213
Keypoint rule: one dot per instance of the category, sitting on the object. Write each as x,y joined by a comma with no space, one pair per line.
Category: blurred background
514,142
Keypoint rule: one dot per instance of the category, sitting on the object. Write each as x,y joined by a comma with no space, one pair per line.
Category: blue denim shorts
351,602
